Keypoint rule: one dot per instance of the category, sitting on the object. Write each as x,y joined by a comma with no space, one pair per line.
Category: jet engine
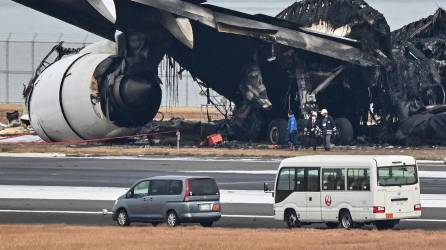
68,102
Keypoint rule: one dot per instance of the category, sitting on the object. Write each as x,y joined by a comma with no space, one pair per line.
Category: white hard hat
324,112
314,113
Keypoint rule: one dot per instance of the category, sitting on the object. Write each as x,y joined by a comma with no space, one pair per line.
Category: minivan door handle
310,198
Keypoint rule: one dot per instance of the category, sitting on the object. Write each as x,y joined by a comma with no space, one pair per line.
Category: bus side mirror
266,188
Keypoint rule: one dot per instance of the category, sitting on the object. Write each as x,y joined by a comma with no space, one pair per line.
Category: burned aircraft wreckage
335,54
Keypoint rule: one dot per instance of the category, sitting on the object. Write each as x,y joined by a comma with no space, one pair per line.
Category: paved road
115,172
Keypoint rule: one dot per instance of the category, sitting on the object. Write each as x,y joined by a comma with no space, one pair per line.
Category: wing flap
250,27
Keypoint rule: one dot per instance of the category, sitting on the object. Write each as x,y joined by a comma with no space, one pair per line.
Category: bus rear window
397,176
199,187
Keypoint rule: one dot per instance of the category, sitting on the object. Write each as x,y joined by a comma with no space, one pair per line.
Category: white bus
347,190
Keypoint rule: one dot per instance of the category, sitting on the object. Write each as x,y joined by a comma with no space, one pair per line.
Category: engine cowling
68,104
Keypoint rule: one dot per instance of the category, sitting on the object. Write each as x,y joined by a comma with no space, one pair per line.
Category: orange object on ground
215,139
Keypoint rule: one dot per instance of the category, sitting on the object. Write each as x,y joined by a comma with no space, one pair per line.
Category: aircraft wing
76,12
97,16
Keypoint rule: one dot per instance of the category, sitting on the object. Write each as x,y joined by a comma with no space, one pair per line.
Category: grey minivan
170,199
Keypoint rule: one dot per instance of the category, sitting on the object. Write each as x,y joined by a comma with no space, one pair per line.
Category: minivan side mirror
129,194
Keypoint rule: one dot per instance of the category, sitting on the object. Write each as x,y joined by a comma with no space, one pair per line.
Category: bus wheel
346,220
385,225
291,219
332,224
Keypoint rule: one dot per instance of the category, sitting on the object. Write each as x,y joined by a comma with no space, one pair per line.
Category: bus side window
300,180
313,183
358,179
333,179
286,180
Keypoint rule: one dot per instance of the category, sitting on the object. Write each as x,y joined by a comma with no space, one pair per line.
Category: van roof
354,159
176,177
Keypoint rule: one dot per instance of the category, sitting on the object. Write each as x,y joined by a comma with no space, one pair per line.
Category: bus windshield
397,175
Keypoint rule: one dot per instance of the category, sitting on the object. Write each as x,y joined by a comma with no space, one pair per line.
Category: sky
24,22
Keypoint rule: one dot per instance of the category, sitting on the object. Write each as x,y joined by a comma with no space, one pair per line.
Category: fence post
33,52
187,90
7,66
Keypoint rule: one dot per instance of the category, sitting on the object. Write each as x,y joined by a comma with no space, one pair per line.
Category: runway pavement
27,183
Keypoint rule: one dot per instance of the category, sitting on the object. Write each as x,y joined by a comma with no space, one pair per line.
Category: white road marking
247,216
432,174
422,174
425,220
253,172
112,193
143,158
31,155
110,213
51,211
206,159
429,162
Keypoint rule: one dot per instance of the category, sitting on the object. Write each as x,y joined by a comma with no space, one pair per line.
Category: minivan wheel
332,224
291,219
123,218
346,220
207,223
172,219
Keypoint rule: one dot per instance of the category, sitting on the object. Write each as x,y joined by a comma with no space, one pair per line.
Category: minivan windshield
397,175
203,186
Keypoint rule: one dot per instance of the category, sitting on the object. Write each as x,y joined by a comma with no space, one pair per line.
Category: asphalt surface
112,172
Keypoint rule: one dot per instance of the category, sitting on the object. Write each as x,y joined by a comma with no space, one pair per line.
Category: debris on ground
13,119
192,132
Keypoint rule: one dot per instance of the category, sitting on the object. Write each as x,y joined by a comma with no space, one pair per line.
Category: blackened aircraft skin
229,52
265,65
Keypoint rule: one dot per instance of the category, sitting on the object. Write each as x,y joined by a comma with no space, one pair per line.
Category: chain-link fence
19,57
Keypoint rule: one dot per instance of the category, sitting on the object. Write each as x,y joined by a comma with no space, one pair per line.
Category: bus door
313,195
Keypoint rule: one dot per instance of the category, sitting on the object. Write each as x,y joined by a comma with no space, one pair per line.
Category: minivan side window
203,186
175,187
333,179
358,180
141,189
286,180
159,187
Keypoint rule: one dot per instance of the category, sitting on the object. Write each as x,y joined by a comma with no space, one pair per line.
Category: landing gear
344,134
278,132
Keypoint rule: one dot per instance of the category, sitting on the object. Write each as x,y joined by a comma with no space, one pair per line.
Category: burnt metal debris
335,54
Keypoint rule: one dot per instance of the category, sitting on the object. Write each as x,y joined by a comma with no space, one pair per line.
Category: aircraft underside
110,89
